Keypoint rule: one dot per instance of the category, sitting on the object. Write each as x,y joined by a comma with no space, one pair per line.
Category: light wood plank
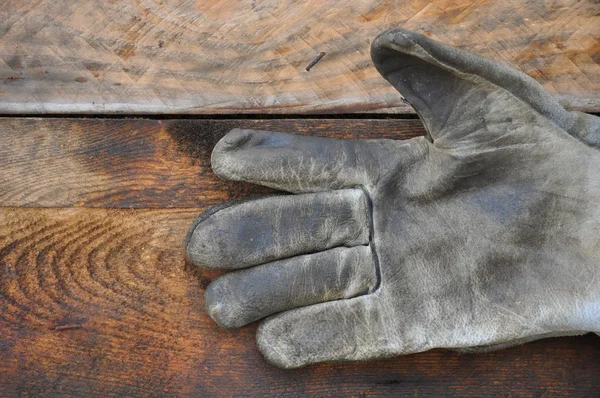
248,56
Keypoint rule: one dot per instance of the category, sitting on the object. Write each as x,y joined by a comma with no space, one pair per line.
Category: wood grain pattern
141,163
248,56
120,276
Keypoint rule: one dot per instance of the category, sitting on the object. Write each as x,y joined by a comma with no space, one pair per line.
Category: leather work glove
483,234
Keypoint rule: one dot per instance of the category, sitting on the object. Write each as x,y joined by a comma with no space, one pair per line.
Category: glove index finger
289,162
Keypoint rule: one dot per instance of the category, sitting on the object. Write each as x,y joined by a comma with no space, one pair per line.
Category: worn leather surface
484,234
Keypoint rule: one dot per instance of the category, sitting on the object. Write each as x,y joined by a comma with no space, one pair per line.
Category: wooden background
96,297
248,56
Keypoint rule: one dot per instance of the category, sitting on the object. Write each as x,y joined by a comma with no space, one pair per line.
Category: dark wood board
120,276
141,163
249,56
97,299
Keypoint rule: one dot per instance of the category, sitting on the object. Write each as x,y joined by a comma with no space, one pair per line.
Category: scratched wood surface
97,299
141,163
248,56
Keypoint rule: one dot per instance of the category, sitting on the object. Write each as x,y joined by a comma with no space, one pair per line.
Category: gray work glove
484,234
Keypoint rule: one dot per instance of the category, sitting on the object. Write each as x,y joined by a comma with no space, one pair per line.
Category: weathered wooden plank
231,56
100,302
141,163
